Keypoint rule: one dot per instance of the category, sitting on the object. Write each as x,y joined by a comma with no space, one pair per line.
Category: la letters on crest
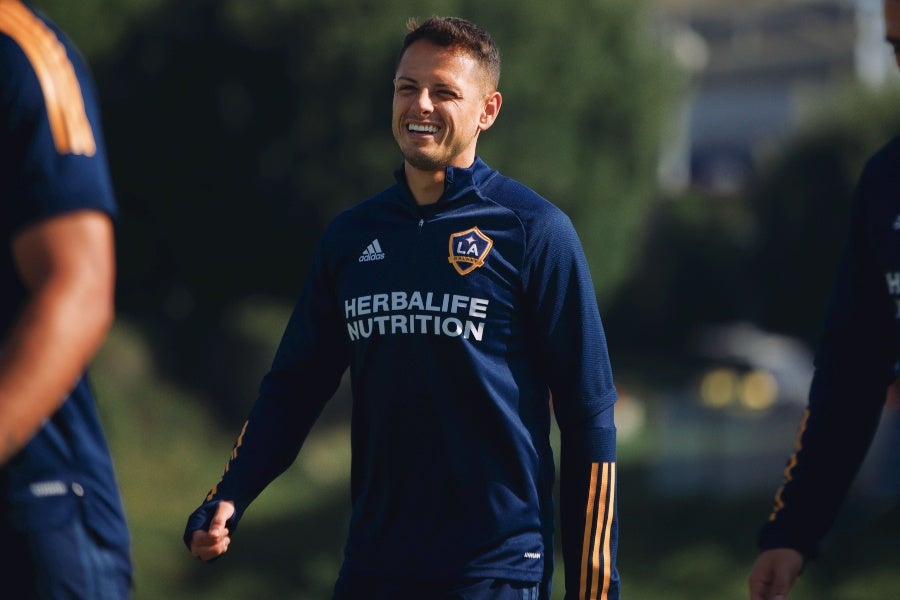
468,249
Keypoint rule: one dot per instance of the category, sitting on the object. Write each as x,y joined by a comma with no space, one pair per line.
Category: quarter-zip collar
458,182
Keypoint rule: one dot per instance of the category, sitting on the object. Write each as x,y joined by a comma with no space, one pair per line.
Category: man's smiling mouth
417,128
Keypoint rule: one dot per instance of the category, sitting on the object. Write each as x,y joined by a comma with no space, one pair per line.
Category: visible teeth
423,128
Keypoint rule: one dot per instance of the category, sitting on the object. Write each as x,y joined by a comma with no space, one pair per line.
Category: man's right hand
211,544
774,574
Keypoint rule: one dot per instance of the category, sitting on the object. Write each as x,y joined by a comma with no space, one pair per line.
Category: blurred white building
756,65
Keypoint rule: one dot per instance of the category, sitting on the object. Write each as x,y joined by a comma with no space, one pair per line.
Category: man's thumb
223,513
781,586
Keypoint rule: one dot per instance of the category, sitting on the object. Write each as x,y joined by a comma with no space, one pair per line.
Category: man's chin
423,162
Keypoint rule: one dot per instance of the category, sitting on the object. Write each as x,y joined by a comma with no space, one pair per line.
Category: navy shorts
62,564
364,588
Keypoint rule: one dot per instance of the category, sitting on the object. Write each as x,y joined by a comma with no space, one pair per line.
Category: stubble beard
434,161
424,162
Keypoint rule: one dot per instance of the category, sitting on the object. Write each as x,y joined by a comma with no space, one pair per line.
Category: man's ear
490,110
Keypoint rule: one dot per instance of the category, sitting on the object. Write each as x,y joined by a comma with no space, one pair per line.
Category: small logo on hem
44,489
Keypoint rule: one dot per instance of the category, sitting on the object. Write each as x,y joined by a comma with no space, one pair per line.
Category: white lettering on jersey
402,313
893,283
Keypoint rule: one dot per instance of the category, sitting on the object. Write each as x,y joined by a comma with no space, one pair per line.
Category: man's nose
423,101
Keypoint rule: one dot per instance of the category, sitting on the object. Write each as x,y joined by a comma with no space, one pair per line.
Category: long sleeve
583,397
853,369
305,373
590,525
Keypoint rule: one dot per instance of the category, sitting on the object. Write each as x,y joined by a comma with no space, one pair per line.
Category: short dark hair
457,33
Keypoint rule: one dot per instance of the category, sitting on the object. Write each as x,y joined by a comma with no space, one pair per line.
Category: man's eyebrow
438,84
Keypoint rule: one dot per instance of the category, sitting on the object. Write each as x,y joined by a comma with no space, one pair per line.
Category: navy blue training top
53,161
854,365
457,321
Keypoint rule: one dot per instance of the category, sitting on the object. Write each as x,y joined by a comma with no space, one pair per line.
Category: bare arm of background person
213,543
68,266
774,574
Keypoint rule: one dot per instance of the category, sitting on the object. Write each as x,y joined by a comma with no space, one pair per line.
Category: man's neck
426,186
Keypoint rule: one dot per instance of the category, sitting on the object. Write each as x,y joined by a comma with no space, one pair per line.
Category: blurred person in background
62,523
854,368
459,299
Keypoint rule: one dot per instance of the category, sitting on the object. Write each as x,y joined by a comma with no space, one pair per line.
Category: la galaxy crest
468,249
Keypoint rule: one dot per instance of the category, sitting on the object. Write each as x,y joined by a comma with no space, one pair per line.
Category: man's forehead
426,62
427,51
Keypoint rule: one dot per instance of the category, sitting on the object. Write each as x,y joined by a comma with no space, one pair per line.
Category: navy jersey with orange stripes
53,162
465,325
854,365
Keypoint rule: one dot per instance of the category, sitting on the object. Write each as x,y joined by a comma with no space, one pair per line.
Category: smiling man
460,300
444,97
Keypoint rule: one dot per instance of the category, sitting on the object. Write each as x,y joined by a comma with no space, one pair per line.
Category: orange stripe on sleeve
63,99
588,528
791,464
607,530
596,558
232,456
240,439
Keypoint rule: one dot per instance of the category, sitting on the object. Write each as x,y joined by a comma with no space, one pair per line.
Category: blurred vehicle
725,430
743,367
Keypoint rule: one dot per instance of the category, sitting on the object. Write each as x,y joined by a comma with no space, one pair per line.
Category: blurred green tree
767,255
97,26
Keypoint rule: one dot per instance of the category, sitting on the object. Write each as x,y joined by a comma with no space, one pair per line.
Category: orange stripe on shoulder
63,99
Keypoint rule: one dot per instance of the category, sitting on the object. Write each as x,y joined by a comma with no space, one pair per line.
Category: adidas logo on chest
372,252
